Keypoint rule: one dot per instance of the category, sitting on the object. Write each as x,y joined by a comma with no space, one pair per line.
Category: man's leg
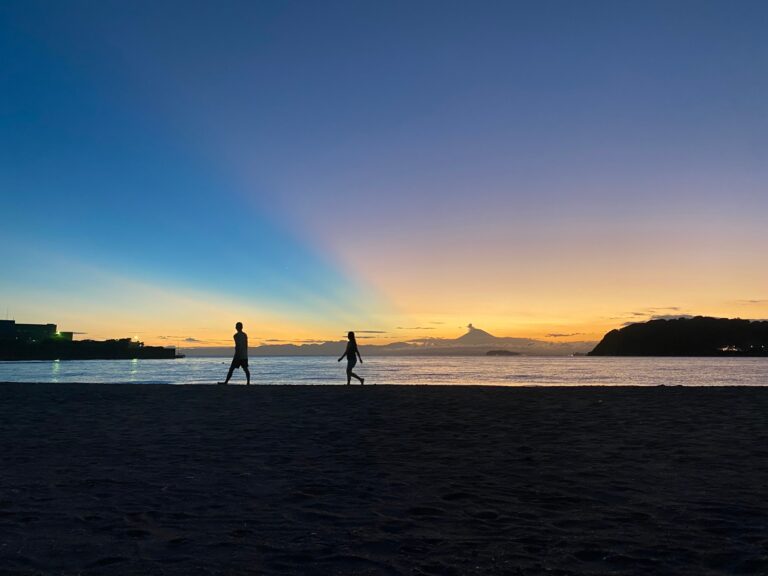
229,374
247,375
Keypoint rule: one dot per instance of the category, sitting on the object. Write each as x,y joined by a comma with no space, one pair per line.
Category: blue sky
372,163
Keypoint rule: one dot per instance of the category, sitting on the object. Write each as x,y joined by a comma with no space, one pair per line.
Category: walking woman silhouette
352,353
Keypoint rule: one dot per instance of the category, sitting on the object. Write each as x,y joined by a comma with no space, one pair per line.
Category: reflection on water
498,371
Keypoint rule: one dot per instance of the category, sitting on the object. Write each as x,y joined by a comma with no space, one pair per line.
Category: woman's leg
350,373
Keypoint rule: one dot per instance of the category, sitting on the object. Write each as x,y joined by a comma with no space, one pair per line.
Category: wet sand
131,479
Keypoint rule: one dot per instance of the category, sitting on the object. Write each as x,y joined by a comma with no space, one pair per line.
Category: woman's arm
358,355
342,356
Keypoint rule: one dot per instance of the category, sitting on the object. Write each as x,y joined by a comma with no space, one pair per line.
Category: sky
539,169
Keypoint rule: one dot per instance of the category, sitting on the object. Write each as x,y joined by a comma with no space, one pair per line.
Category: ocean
496,371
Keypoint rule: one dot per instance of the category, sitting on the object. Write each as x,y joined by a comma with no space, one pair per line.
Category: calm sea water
511,371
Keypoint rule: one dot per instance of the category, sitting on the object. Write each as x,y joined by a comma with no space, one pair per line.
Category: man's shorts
239,363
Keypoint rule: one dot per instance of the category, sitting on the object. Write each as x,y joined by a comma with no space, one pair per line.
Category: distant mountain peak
475,336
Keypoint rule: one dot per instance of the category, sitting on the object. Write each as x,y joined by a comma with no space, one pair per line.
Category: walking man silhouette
240,359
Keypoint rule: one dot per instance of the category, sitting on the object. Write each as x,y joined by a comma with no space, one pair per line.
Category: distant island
698,336
502,353
46,342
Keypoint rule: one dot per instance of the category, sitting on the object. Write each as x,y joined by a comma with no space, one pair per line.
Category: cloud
654,309
754,301
646,312
659,317
670,316
415,327
189,340
183,338
370,331
437,322
557,335
281,341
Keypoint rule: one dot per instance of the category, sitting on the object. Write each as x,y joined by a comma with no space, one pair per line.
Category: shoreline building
31,333
46,342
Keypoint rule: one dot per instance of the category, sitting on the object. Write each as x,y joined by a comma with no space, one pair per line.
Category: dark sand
128,479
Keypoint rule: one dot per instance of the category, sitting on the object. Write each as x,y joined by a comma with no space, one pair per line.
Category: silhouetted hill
699,336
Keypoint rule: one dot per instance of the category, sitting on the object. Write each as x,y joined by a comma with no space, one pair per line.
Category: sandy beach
141,479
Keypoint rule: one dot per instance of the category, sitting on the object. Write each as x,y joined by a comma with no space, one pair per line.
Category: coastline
512,371
199,479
